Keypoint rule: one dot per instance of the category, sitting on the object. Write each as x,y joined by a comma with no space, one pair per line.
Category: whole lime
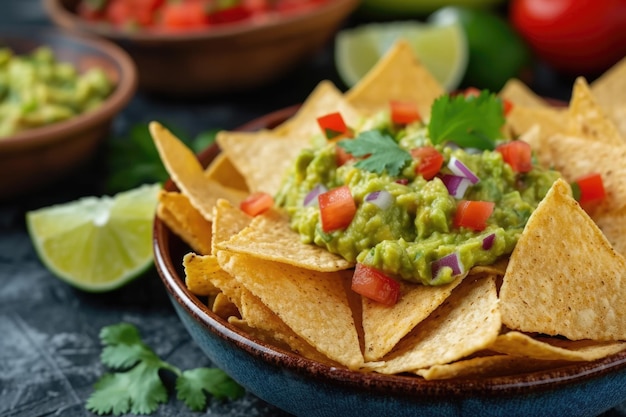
496,51
416,8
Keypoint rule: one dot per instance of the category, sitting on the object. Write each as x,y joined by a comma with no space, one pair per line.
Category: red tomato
507,106
332,125
337,208
430,161
574,36
342,156
119,13
229,15
256,203
375,285
184,15
473,214
404,112
517,154
591,188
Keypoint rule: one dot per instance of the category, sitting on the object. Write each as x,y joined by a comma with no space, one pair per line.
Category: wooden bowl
223,59
39,156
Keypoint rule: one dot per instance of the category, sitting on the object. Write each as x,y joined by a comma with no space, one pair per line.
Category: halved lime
97,244
442,48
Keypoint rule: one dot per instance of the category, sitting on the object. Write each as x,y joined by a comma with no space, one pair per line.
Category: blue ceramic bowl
307,388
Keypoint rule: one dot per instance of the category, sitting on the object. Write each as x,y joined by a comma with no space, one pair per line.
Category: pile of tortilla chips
558,299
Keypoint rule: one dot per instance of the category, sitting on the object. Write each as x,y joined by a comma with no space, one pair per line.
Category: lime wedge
97,244
442,48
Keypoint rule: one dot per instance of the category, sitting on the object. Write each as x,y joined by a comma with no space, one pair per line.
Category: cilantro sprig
136,386
383,153
133,159
470,122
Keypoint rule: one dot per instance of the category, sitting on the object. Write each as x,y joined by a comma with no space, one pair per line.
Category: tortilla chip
465,323
262,157
610,88
260,317
313,304
521,119
198,270
326,98
488,366
228,221
545,348
269,237
563,277
587,119
398,75
618,115
578,157
520,94
613,226
222,170
185,221
188,175
223,307
384,326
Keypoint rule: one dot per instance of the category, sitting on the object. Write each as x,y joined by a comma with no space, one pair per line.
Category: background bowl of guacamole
59,94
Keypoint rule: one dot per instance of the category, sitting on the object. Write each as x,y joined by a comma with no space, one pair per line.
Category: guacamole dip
36,90
404,224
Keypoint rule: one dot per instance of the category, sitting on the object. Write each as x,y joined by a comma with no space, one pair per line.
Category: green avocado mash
37,90
416,229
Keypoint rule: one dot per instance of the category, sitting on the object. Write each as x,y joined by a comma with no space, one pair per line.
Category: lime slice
97,244
442,48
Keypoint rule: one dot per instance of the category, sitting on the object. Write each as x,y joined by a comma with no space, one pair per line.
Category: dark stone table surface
49,345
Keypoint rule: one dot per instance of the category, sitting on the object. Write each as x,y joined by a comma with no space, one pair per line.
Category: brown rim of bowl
122,94
403,385
65,17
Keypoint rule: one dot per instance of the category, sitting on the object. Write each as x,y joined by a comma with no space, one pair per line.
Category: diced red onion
452,261
403,181
488,241
459,168
383,199
456,185
311,198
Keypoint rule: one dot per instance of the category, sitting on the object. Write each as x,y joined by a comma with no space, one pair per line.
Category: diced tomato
590,187
373,284
507,106
184,16
404,112
229,15
471,92
119,13
430,161
337,208
473,214
256,203
517,154
342,156
91,9
333,125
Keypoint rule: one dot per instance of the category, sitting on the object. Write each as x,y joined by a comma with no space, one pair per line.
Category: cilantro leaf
133,160
192,384
382,152
137,387
138,391
473,122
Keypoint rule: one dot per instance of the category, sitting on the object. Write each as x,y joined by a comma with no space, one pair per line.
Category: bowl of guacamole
58,96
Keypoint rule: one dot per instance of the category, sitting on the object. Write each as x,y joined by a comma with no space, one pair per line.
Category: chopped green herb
382,152
473,122
133,160
137,387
